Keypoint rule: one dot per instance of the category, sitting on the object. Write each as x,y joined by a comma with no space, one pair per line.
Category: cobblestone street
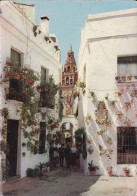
62,182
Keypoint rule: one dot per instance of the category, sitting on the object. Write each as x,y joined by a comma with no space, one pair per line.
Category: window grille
127,145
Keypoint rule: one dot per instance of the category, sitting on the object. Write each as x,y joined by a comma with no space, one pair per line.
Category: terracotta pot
127,174
100,148
92,172
110,173
129,124
91,152
119,116
90,141
129,77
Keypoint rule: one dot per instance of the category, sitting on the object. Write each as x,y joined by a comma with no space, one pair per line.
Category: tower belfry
69,78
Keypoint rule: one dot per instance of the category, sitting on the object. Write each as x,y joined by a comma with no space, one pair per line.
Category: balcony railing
122,79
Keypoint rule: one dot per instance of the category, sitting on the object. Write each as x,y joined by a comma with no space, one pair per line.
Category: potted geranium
129,77
123,77
92,168
119,115
109,170
126,170
100,147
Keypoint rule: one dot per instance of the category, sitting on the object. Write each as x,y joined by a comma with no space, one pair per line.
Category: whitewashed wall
105,37
16,32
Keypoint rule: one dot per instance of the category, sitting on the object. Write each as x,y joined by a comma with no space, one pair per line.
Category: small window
67,80
15,58
127,145
42,137
127,66
43,75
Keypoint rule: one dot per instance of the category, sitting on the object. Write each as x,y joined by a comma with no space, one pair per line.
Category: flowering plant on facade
101,132
109,140
128,122
128,104
109,169
88,118
112,103
119,114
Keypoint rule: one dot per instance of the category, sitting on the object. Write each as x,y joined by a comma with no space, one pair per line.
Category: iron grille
127,145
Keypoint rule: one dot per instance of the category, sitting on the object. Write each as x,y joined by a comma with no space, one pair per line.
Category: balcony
126,79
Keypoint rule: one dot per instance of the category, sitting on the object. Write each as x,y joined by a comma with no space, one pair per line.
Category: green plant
23,154
90,149
80,131
126,170
92,167
5,113
109,169
29,172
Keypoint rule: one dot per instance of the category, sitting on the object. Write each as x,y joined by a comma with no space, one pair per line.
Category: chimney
45,24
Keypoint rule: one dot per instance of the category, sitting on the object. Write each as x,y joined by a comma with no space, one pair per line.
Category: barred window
127,145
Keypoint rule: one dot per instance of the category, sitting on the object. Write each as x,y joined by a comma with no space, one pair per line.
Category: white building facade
32,47
108,51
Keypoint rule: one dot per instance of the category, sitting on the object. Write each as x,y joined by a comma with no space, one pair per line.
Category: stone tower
69,78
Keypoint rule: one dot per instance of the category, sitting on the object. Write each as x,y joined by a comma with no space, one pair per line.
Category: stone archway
67,129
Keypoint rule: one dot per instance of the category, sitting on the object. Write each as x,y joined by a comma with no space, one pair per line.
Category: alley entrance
12,143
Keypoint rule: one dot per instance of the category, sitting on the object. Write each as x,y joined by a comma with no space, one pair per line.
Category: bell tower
69,78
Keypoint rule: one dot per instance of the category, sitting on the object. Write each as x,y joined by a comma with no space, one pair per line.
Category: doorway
12,145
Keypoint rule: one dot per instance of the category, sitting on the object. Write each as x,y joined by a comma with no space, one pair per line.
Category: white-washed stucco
16,31
106,37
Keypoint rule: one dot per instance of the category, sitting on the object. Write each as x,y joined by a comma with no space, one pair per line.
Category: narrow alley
63,182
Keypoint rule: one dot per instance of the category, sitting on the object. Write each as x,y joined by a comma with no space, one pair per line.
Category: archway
67,129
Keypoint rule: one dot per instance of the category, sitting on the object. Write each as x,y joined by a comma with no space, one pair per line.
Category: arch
67,129
67,80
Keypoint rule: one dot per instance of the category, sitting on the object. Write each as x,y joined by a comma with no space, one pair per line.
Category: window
127,145
15,58
43,75
127,66
42,137
15,84
67,80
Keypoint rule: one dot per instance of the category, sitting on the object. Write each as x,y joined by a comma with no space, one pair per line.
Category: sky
69,16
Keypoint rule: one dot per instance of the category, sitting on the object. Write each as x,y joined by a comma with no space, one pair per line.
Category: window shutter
15,58
43,76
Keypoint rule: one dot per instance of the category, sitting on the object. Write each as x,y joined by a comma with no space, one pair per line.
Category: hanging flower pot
128,124
100,148
119,115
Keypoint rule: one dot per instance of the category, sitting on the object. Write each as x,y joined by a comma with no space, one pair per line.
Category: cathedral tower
69,78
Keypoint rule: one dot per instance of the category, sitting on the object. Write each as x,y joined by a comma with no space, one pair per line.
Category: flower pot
119,115
92,173
128,124
127,174
90,141
100,148
91,152
129,77
110,173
